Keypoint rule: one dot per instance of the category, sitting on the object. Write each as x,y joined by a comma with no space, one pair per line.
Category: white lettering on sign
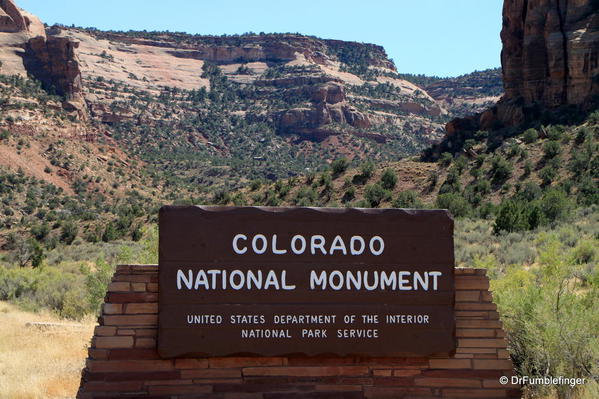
374,280
336,280
261,244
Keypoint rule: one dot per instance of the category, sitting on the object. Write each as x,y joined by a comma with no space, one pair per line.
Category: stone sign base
123,361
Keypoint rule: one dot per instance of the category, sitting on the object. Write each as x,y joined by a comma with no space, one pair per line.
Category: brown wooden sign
276,281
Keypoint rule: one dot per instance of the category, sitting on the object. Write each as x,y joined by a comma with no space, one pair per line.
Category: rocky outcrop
550,58
50,59
54,61
329,106
15,20
550,51
11,18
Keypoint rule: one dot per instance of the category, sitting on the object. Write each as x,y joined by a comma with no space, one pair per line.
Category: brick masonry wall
123,361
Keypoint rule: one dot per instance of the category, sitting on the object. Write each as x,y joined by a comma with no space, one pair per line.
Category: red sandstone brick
482,343
338,388
138,287
170,375
104,331
238,395
467,296
133,354
472,283
486,296
313,395
130,365
132,297
152,269
112,308
382,372
478,324
146,332
152,287
500,364
450,363
113,342
136,278
132,320
323,361
224,362
447,382
472,315
100,354
474,393
145,343
491,351
168,382
211,373
118,287
394,381
411,362
191,363
475,332
503,354
463,271
493,315
126,331
475,306
150,307
406,372
307,371
485,356
463,356
179,389
112,386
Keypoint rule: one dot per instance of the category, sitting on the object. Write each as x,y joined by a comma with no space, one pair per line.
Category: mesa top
276,281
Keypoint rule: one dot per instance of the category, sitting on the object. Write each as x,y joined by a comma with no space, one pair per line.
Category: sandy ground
40,362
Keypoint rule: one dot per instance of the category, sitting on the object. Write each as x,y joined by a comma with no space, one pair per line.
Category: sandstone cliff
26,49
550,51
550,58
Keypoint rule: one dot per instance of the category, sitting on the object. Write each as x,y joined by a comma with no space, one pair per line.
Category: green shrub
69,232
455,203
514,215
388,179
551,149
349,194
548,174
530,135
339,166
554,132
375,194
445,159
407,199
555,205
551,320
501,169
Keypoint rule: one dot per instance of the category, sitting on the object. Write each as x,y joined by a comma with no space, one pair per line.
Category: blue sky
434,37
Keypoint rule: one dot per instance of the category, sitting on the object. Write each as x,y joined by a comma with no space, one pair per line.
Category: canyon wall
550,58
550,51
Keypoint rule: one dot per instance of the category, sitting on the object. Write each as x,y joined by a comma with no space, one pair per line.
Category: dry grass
36,362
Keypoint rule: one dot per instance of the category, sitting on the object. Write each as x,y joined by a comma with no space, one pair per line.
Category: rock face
328,106
11,18
53,60
550,51
55,63
550,58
